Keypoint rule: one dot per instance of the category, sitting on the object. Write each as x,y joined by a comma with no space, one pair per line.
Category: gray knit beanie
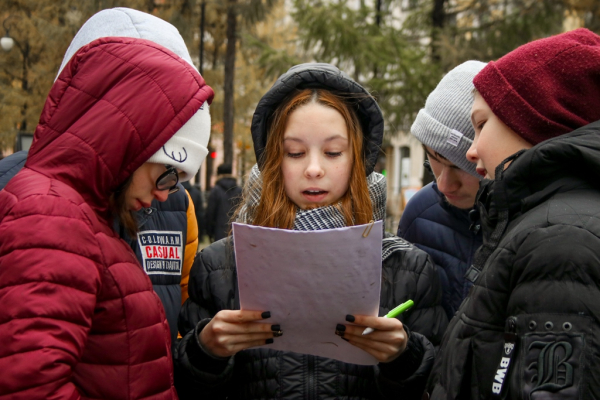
445,122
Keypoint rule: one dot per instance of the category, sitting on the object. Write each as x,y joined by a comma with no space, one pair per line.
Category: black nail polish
350,318
268,341
340,327
339,333
275,328
265,315
277,333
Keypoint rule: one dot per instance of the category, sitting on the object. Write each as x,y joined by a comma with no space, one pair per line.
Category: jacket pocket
459,372
553,356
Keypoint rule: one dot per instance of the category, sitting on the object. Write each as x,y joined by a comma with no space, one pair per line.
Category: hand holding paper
231,331
308,279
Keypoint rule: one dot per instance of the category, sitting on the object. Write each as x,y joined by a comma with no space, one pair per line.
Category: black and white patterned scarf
327,217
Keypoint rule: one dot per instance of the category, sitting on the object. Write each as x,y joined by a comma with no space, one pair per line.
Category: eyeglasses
168,180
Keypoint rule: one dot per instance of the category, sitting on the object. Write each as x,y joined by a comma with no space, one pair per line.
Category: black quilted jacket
530,327
269,374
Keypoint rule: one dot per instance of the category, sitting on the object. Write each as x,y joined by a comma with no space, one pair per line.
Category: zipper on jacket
311,394
508,351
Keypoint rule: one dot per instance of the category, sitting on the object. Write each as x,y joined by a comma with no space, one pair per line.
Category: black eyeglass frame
163,181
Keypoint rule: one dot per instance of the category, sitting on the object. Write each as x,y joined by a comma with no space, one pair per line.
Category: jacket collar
554,166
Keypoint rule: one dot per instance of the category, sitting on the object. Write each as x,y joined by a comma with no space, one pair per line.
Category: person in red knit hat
531,323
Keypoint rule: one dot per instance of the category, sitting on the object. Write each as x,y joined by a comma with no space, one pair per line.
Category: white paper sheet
309,281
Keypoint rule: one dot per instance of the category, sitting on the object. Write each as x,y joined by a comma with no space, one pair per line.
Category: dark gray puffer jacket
267,374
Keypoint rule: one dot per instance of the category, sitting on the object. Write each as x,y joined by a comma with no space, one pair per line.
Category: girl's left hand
386,343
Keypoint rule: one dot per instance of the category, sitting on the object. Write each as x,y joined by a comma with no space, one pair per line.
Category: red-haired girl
317,136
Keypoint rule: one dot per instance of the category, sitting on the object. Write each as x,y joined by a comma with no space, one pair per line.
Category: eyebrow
436,156
329,139
473,115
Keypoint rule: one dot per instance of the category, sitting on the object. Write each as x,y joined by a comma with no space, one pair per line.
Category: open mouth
315,195
314,192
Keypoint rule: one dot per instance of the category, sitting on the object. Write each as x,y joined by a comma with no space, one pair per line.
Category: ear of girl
317,134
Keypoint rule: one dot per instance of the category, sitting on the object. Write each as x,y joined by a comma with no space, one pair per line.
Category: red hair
275,209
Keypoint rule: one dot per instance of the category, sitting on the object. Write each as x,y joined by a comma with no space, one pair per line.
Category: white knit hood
187,149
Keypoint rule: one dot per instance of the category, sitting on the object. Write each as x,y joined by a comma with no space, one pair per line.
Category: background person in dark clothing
223,200
196,196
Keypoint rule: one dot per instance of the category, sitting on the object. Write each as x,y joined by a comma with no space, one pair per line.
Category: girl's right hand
230,331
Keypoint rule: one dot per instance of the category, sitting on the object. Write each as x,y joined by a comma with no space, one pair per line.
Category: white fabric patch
454,137
162,252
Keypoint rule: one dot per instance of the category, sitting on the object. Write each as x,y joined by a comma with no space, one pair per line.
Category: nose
160,195
447,181
314,169
472,153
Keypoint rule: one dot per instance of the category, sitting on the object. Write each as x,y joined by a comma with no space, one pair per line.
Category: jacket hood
326,76
115,103
187,149
576,154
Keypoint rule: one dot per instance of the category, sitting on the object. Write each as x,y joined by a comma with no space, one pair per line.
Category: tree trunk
25,85
378,6
201,49
228,93
438,18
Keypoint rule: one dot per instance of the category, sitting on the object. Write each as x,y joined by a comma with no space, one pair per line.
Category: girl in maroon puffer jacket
125,120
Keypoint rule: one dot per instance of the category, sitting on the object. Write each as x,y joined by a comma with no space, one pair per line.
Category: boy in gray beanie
436,219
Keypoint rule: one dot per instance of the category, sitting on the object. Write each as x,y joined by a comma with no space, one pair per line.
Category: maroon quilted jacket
78,317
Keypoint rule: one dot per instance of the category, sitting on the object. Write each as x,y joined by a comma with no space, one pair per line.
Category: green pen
393,313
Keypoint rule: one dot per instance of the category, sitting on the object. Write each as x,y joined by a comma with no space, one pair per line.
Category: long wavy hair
275,209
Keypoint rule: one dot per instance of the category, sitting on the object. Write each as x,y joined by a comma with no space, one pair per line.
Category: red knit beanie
545,88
